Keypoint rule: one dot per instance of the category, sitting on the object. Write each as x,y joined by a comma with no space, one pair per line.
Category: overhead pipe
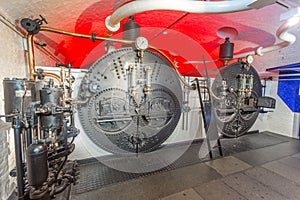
282,33
92,37
30,45
113,22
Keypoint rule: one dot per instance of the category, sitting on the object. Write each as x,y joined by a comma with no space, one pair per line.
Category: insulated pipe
282,33
113,22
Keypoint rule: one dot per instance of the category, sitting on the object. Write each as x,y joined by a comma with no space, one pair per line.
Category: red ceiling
180,35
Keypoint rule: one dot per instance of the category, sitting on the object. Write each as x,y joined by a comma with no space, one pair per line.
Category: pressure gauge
141,43
249,59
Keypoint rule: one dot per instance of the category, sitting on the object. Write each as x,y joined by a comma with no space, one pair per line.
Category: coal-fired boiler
237,99
130,102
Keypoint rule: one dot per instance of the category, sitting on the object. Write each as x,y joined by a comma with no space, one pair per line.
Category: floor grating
94,174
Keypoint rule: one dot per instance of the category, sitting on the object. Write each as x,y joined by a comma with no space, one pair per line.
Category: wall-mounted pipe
30,45
113,22
10,25
17,28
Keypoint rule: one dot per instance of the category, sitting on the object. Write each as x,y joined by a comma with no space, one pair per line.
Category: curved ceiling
187,38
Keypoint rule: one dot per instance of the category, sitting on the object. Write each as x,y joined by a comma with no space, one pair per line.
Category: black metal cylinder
226,49
18,96
131,30
37,165
51,98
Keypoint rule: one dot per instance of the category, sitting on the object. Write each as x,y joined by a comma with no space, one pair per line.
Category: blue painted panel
288,85
288,91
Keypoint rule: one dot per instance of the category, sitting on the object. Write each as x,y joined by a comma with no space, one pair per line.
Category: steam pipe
113,22
23,33
31,63
173,66
53,30
52,75
282,33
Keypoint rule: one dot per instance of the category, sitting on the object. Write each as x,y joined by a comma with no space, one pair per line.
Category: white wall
280,120
12,64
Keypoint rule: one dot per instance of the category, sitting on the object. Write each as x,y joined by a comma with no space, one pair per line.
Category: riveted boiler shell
235,115
120,120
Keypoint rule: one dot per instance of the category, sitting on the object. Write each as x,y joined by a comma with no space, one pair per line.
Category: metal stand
18,153
206,122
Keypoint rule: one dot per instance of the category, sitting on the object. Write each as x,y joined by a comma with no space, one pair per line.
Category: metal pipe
282,33
52,75
29,136
113,22
173,66
23,33
10,25
53,30
31,63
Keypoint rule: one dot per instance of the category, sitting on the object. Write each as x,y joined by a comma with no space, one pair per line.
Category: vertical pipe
31,61
65,134
18,154
29,136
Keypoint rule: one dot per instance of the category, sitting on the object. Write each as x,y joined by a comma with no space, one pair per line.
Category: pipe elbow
111,27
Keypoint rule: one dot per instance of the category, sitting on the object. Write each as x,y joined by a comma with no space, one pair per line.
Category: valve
33,26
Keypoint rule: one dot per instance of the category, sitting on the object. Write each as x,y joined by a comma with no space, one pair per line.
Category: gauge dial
141,43
249,59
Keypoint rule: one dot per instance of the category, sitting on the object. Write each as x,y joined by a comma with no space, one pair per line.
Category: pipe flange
259,51
112,28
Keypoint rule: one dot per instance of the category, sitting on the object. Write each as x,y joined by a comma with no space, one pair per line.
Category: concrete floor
271,172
